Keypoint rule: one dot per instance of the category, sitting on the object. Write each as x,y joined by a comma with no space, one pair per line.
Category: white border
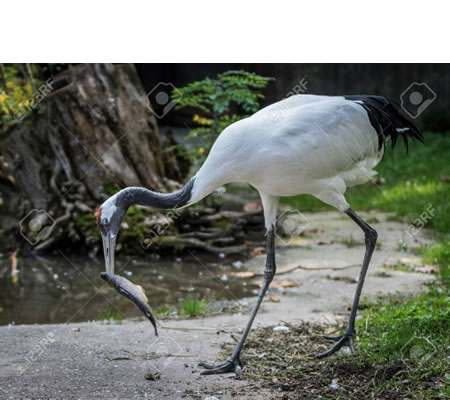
224,31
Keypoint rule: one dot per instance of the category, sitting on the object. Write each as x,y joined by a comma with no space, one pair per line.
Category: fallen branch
183,243
290,269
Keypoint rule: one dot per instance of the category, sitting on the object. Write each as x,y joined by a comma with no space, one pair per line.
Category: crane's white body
305,144
318,145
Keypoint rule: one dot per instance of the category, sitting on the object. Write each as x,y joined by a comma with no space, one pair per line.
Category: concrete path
94,360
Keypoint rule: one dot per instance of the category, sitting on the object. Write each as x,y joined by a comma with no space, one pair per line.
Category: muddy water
58,289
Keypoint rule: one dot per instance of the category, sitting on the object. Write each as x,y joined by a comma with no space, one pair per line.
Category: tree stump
91,136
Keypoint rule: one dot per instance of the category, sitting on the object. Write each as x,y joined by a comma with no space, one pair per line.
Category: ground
96,360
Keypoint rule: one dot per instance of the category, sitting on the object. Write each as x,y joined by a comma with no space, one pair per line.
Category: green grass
408,340
406,184
415,327
402,343
399,266
193,307
439,254
110,316
165,310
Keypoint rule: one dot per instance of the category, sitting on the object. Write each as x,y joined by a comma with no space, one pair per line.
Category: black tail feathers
388,121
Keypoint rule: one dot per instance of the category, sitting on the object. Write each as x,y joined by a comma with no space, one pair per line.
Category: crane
305,144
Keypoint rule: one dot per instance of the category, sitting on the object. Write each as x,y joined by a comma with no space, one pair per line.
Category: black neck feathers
145,197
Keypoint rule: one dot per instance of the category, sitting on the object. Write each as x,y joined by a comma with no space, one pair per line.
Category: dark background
389,80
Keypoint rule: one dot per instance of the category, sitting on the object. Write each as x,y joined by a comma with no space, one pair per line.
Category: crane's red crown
98,214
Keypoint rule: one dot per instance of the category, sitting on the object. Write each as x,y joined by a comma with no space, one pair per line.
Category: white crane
318,145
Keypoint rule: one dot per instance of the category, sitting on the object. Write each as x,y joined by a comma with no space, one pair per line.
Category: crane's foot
342,340
231,365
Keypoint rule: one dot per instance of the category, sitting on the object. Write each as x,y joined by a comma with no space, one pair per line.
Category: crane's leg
347,338
233,364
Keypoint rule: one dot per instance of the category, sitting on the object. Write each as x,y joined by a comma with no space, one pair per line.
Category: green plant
218,102
399,266
109,316
165,310
22,88
193,307
87,225
414,327
438,254
16,90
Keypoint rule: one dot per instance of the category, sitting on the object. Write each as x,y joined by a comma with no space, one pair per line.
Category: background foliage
217,103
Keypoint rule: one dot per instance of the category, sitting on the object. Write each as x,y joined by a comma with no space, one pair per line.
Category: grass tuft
111,317
438,254
165,310
402,348
406,328
193,307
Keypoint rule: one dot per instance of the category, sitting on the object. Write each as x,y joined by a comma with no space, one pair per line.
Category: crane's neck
145,197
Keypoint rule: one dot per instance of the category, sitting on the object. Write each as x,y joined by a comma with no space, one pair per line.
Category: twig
290,269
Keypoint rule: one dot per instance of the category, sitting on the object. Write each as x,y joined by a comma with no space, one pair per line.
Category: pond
61,289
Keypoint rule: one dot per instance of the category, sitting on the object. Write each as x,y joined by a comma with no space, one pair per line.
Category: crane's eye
105,221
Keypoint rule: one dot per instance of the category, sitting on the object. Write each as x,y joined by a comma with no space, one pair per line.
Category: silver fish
134,292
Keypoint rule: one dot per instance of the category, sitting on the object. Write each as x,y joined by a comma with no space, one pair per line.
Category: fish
133,292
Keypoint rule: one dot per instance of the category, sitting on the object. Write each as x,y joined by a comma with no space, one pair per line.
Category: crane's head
109,217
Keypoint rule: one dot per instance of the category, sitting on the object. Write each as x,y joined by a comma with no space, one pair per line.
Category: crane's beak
109,246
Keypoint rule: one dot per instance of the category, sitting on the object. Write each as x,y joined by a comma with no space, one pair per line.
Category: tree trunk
92,135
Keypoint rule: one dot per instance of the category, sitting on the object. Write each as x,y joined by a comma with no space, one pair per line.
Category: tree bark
92,135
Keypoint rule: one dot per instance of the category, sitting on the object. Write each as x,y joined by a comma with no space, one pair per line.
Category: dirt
285,361
126,360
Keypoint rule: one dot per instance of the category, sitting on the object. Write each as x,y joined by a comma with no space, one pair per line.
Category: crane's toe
333,338
342,340
228,366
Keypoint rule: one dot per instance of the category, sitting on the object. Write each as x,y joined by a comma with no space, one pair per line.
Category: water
59,290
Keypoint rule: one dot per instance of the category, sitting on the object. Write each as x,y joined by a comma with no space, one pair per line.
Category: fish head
109,218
